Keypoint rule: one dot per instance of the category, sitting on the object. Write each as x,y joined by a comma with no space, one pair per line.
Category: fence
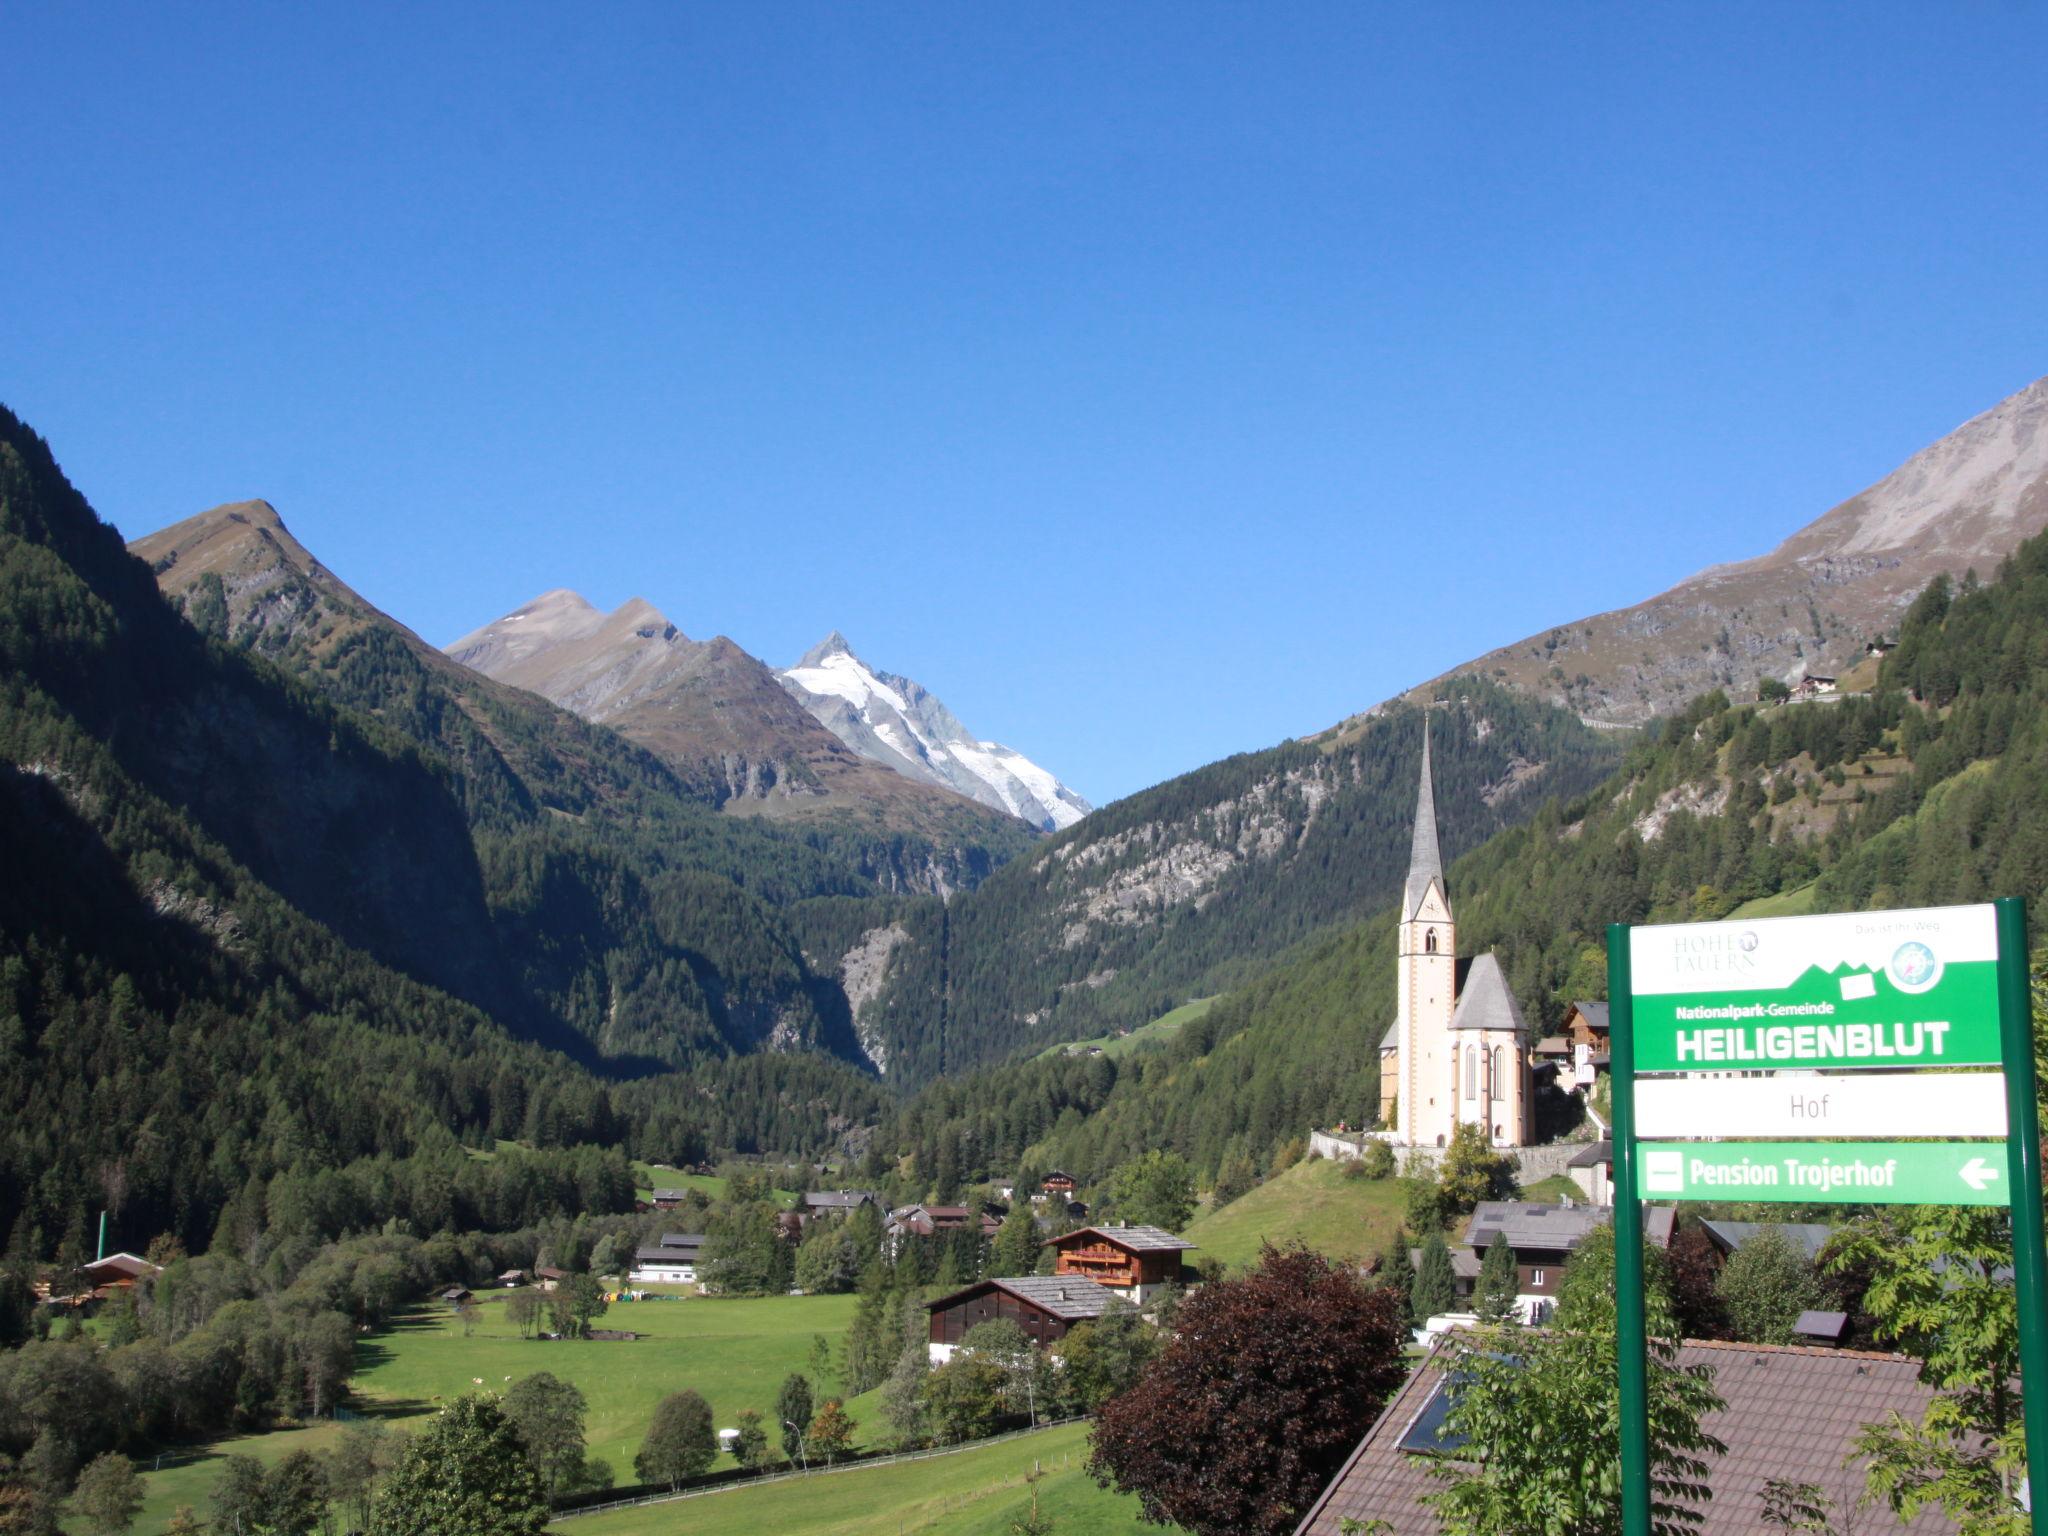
851,1465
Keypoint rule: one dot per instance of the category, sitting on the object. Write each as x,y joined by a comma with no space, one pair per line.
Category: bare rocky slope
723,722
1815,602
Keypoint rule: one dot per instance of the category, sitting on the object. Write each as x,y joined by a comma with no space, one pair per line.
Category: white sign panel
1859,1104
1775,953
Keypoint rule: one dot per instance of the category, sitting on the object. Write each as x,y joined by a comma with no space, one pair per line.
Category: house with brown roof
1792,1412
1135,1262
1543,1238
908,1221
116,1272
1046,1307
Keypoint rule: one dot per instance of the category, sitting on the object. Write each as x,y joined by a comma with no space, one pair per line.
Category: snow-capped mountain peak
897,722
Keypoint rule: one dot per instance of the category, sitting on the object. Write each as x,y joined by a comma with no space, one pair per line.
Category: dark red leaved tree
1269,1382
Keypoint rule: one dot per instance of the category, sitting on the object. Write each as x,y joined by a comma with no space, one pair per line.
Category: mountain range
897,722
1815,602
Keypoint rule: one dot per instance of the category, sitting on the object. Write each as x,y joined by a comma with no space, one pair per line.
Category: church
1457,1051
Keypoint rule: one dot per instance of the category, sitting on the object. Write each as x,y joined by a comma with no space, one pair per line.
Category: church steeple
1425,863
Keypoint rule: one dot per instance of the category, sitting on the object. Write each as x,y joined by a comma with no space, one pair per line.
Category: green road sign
1862,989
1826,1172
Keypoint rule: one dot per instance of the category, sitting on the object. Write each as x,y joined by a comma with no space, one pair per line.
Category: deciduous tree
831,1432
681,1442
108,1496
1266,1385
547,1415
1764,1286
465,1474
1156,1189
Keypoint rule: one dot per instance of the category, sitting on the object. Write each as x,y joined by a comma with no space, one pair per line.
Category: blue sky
1152,382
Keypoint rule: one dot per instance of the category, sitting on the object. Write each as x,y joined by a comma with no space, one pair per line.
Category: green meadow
1314,1203
976,1492
735,1352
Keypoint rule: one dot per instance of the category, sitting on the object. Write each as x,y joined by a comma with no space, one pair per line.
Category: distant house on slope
673,1261
1543,1238
1792,1412
836,1202
908,1221
1044,1306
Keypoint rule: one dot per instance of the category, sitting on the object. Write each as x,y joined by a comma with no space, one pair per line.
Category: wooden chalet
1058,1184
548,1277
908,1221
667,1199
457,1296
1044,1306
1132,1261
116,1272
1543,1238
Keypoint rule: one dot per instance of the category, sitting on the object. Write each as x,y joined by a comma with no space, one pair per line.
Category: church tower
1427,984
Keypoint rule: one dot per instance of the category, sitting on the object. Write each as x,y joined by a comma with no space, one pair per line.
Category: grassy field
971,1493
734,1352
1551,1190
1793,903
1158,1032
1314,1203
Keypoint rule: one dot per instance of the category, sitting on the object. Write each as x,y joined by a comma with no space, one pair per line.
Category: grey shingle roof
1595,1014
1821,1325
1065,1296
1793,1412
644,1257
685,1241
1595,1154
838,1199
1485,1002
1391,1040
1137,1239
1559,1227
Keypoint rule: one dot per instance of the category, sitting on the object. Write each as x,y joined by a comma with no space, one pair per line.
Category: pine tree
1499,1283
1016,1245
1397,1269
1436,1282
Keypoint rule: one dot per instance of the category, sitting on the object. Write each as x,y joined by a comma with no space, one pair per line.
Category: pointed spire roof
1425,863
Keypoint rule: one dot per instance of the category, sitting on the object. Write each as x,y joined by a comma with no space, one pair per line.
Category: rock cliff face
1813,603
724,723
898,723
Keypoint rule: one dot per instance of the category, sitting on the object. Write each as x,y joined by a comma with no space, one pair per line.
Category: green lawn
1314,1203
1158,1032
653,1176
734,1352
971,1493
1551,1190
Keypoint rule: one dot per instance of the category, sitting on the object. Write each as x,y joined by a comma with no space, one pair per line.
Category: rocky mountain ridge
1813,603
895,721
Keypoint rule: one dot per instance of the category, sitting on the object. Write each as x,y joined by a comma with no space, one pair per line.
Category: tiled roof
1484,1001
838,1199
1556,1226
1072,1297
1793,1412
1137,1239
1465,1263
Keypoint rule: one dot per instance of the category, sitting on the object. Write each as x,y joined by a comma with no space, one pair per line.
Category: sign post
1802,1028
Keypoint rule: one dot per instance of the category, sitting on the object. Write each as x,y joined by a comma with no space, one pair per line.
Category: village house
667,1199
1057,1185
908,1221
1135,1262
116,1272
1543,1238
1046,1307
836,1202
1813,686
512,1277
1790,1411
1592,1169
457,1296
673,1261
547,1277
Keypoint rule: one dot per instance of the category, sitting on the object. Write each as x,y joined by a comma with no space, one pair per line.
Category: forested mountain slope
1193,886
246,930
1931,790
623,905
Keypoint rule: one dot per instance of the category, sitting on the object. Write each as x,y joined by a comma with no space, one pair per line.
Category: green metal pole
2023,1154
1631,1339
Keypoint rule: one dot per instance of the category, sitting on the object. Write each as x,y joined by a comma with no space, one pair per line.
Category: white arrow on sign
1977,1173
1879,1105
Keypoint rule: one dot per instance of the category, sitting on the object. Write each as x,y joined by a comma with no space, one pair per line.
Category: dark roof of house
549,1272
1553,1045
1595,1154
1556,1226
1465,1263
839,1199
687,1241
668,1194
1793,1412
1071,1297
1484,1001
1137,1239
1808,1237
455,1293
1595,1014
1822,1325
644,1257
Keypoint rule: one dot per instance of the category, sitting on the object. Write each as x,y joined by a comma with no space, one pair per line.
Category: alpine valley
581,880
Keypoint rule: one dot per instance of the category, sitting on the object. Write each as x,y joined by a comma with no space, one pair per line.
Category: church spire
1424,862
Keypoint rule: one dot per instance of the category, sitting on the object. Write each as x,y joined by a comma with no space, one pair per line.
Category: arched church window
1471,1071
1500,1083
1429,942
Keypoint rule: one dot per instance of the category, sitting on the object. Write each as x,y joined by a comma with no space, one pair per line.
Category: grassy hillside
735,1352
976,1492
1314,1203
1144,1037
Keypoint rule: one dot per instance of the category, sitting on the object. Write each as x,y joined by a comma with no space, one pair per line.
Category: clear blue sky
1152,382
